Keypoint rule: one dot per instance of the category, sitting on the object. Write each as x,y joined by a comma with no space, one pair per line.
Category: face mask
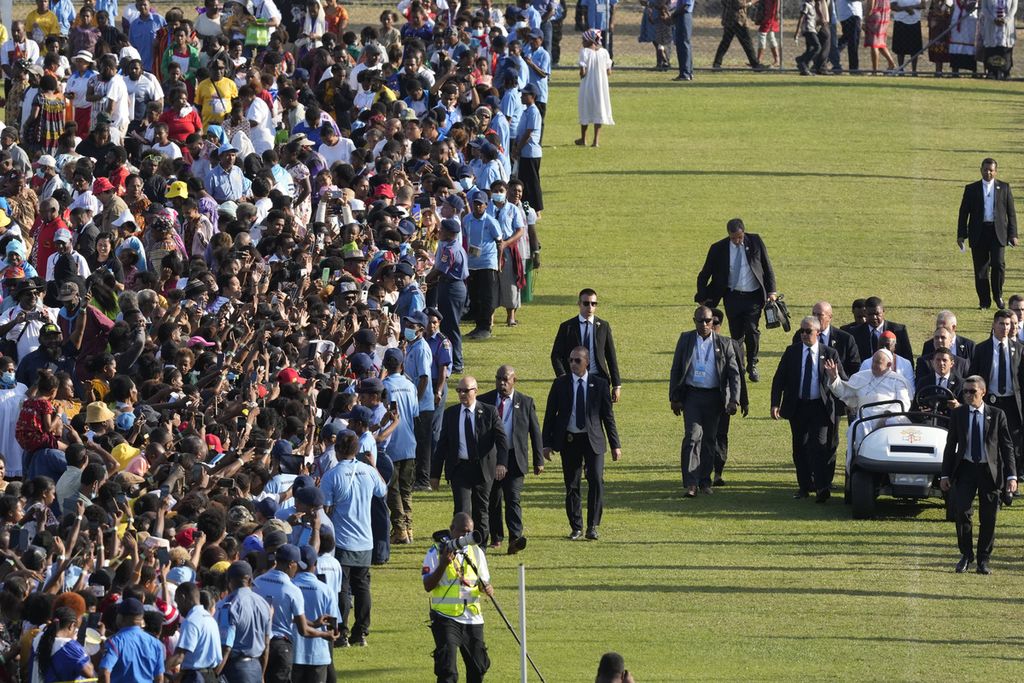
498,197
478,33
465,183
7,380
409,334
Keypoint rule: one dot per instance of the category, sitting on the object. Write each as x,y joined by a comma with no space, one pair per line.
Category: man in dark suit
998,360
860,315
943,339
961,346
988,220
577,417
703,385
800,394
593,333
868,334
737,269
941,373
472,452
722,437
978,460
518,416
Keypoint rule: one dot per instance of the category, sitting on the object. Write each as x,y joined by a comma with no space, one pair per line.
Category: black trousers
483,297
529,174
542,107
812,46
743,36
989,266
743,311
825,40
702,411
1008,404
355,589
722,444
309,673
279,663
851,39
556,41
472,493
809,428
975,480
422,427
579,459
452,638
509,489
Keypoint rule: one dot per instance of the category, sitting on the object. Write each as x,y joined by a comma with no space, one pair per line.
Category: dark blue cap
404,268
130,607
360,362
372,385
418,317
531,89
464,172
451,225
289,553
281,447
455,201
267,507
310,495
394,357
308,554
361,413
406,227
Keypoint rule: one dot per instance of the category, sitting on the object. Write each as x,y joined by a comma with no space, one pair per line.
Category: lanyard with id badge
701,361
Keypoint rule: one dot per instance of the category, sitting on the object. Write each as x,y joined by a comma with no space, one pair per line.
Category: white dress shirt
703,372
993,377
463,450
504,408
575,386
815,386
972,415
741,279
588,329
988,192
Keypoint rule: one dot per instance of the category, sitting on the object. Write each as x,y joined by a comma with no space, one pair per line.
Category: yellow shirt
47,22
215,103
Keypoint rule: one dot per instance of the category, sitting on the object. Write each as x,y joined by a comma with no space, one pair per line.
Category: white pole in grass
782,39
522,621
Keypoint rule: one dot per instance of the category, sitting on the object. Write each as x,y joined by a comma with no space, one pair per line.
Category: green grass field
854,183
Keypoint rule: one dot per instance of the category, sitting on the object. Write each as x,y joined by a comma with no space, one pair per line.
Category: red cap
101,185
384,190
289,376
213,442
186,537
888,334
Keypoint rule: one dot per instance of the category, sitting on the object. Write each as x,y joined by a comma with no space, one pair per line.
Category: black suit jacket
998,444
713,279
786,382
525,429
981,364
972,214
964,348
725,362
491,443
737,347
961,367
845,346
956,384
862,335
600,418
568,338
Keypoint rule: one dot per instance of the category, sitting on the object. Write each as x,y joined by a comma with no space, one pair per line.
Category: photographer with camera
455,573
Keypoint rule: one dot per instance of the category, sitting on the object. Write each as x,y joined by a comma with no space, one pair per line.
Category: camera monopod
511,629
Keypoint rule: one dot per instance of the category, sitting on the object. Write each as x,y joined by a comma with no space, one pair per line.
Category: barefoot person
595,102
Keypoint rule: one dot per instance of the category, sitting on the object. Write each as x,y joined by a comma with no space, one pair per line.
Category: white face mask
498,197
465,183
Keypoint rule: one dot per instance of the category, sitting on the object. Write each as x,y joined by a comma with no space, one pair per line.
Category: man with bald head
472,452
800,394
518,415
960,346
835,338
942,338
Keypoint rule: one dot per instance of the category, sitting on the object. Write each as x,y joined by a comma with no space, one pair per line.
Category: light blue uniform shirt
541,60
451,259
488,173
402,444
301,534
512,108
599,13
319,600
499,124
328,565
244,622
277,588
508,217
349,488
65,11
200,639
410,300
226,186
530,120
112,9
483,233
533,17
419,362
142,34
133,655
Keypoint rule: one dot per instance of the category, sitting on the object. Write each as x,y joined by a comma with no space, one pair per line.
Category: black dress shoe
964,564
592,534
755,376
691,492
983,567
706,489
800,493
516,544
719,481
1000,304
575,535
823,495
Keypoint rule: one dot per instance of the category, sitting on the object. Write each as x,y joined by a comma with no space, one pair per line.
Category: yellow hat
220,567
177,189
124,453
98,412
5,220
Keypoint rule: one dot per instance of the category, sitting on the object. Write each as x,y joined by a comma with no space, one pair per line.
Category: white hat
84,55
129,52
327,74
46,160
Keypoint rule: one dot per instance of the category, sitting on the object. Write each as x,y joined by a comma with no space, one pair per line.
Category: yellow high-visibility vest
457,593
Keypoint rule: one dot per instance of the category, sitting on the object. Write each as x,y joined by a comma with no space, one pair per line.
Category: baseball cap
360,362
417,317
452,225
68,291
406,227
290,376
309,495
361,413
289,553
404,268
239,570
102,185
46,160
177,189
309,555
531,89
62,235
227,147
478,197
267,507
130,607
371,385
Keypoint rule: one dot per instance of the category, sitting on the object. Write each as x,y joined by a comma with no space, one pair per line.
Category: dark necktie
581,406
586,335
976,436
1003,374
470,436
805,389
874,340
501,407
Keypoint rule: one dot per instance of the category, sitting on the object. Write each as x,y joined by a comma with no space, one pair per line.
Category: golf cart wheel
862,494
847,496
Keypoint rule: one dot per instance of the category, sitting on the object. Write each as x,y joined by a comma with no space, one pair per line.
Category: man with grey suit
704,384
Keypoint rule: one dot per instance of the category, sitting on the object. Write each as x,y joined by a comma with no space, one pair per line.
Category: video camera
454,545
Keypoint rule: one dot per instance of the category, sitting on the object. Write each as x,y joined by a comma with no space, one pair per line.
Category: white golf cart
897,452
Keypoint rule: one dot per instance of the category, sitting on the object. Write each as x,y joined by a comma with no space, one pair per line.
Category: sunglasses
806,330
575,360
465,391
969,392
703,320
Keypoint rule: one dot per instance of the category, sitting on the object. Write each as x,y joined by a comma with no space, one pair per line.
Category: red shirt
180,127
43,234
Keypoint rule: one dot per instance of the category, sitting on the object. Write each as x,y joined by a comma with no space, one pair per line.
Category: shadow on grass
776,82
1011,642
759,174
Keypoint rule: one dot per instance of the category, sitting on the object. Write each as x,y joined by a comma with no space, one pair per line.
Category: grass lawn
854,183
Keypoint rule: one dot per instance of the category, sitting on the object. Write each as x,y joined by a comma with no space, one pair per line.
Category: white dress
595,102
10,407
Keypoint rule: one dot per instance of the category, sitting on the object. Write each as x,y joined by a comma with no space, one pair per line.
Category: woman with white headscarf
879,383
595,102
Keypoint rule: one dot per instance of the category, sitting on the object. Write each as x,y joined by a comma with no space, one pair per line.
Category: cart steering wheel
934,397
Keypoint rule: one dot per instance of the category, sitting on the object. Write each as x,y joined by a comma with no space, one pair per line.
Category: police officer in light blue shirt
403,448
289,617
451,268
313,655
511,100
198,650
483,234
243,618
601,15
309,504
132,655
538,60
410,297
328,568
